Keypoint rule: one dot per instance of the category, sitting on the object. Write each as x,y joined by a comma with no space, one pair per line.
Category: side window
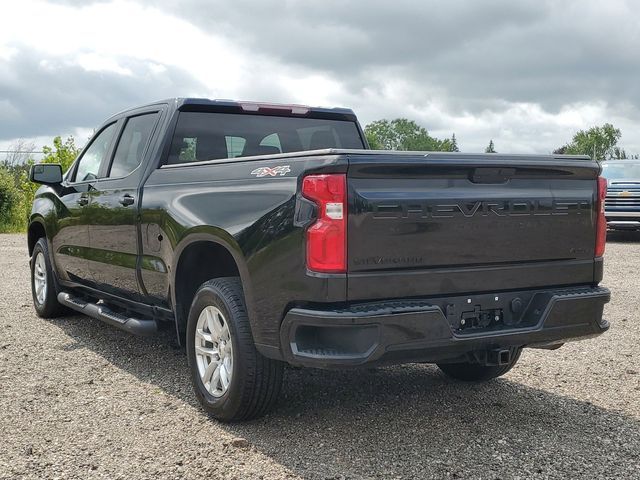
89,163
235,146
273,141
132,144
187,151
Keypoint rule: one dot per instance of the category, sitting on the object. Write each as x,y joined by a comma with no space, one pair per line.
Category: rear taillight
327,236
601,221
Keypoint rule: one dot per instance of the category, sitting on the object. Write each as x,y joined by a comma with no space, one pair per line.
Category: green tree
17,196
599,143
63,153
560,150
490,148
10,203
402,134
619,153
454,144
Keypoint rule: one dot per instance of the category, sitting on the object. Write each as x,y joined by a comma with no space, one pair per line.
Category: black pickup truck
269,234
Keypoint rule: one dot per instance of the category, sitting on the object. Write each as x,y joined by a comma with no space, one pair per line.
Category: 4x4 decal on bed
281,170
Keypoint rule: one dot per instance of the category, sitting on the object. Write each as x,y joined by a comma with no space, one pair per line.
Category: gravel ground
79,399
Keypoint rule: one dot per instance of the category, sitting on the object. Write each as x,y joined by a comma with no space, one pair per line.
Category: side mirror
46,173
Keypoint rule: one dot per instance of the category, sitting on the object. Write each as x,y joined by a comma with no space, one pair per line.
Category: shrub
17,192
12,218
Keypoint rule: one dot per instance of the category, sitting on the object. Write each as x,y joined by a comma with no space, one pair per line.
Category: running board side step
136,326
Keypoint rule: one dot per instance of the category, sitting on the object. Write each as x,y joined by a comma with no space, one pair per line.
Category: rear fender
223,239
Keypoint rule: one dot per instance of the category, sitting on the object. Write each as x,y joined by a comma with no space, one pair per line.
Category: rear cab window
201,136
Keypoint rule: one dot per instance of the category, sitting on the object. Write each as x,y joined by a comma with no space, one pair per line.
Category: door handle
83,201
126,200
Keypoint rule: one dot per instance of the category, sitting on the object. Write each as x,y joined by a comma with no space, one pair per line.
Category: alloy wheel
40,278
214,351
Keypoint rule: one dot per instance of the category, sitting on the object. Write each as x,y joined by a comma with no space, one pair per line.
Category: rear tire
43,287
231,379
474,372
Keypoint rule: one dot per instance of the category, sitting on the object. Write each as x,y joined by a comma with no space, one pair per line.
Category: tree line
16,192
600,142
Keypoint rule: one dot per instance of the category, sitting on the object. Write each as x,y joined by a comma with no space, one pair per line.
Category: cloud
551,53
53,95
76,71
458,62
527,74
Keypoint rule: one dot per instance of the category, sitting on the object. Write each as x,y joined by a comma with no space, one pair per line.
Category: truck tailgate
435,224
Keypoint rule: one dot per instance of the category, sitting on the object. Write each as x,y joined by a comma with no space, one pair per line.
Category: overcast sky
526,74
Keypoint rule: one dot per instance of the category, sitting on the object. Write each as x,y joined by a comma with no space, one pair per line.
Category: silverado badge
271,172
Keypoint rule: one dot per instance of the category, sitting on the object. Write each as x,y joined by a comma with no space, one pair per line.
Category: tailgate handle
492,175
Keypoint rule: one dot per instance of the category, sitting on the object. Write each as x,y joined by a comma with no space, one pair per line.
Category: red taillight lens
327,237
601,221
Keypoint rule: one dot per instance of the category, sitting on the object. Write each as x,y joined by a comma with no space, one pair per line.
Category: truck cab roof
253,107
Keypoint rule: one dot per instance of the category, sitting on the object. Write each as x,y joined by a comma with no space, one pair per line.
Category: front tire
231,379
43,288
474,372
